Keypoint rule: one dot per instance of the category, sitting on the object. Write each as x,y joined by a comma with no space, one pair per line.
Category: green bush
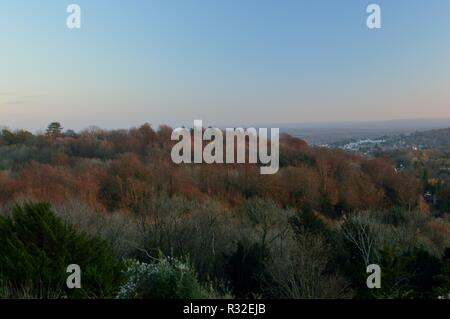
36,248
246,269
168,278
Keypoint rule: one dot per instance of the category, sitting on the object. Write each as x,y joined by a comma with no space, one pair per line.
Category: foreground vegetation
142,227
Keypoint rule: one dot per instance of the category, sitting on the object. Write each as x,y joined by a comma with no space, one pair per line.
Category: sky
223,61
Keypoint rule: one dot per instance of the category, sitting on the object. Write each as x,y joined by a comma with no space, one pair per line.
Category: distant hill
431,139
335,132
428,139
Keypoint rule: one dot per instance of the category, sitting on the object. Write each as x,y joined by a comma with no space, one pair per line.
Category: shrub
442,289
246,269
301,271
179,227
412,274
168,278
119,230
37,247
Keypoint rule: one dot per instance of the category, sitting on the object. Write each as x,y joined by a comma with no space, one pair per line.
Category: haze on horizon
255,61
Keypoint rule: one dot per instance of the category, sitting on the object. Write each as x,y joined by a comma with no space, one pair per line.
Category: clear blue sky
223,61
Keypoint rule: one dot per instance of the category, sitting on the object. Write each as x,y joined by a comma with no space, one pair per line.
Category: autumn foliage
119,170
295,234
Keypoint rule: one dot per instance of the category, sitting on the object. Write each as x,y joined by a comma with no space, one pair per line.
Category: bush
168,278
246,270
413,274
119,230
179,227
37,247
442,288
301,271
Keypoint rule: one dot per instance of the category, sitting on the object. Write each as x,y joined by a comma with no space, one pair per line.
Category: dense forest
140,226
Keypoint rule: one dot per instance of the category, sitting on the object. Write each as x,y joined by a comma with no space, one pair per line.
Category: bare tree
363,234
300,273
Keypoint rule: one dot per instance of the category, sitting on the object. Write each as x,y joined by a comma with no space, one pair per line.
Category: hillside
431,139
231,230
